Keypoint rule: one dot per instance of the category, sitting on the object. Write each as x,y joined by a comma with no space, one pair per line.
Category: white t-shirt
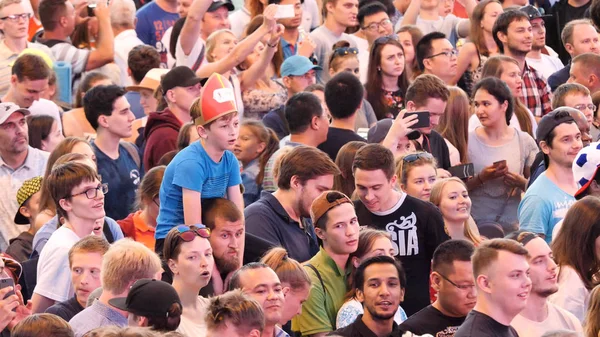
239,20
572,294
53,272
189,60
325,39
46,107
514,122
166,41
197,326
448,25
363,57
311,17
558,319
546,65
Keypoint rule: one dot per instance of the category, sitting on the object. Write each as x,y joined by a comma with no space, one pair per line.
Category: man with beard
545,64
540,316
452,278
513,35
18,162
283,217
262,284
378,283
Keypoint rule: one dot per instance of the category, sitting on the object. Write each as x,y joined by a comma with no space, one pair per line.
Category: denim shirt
251,188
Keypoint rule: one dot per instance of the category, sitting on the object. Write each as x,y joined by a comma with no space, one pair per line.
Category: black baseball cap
220,3
553,119
180,76
533,12
148,298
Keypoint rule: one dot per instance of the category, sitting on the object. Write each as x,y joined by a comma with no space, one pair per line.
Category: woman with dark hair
409,36
74,121
454,125
501,154
386,80
473,55
44,132
576,253
344,182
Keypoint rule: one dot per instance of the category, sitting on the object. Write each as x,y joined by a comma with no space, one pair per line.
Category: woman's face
292,305
147,101
86,150
195,263
349,64
253,57
247,147
419,181
392,60
487,108
54,138
490,14
511,74
223,46
455,204
382,246
407,43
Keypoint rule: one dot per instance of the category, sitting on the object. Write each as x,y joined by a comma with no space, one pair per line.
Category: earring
378,68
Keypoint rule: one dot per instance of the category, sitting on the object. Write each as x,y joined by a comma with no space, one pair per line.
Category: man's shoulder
262,207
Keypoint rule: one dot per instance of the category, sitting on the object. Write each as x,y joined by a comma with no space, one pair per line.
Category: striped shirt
7,57
536,92
66,52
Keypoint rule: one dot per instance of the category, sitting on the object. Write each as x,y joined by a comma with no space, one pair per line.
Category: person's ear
261,148
254,333
483,283
25,211
287,82
502,37
544,147
393,180
402,292
331,72
13,79
569,48
360,296
314,122
65,204
320,233
295,182
592,80
103,121
286,291
504,106
201,131
173,266
330,7
355,262
171,96
410,106
435,280
142,321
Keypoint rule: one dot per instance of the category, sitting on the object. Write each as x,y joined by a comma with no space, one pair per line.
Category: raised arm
193,25
255,71
410,17
105,51
465,57
242,49
464,26
400,128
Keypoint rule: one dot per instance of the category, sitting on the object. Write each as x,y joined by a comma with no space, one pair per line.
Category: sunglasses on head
345,51
386,39
189,233
416,156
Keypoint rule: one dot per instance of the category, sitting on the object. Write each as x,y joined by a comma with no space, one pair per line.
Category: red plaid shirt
536,92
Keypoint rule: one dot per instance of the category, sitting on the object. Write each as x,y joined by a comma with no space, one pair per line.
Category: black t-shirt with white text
416,228
431,321
481,325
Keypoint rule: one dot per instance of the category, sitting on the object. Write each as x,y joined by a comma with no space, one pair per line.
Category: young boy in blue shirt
206,168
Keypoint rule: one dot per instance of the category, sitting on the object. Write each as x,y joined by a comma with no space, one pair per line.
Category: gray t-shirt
447,25
490,199
365,116
325,39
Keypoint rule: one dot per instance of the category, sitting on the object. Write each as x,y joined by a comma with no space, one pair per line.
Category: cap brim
581,192
414,135
20,219
25,112
216,5
119,303
303,71
137,88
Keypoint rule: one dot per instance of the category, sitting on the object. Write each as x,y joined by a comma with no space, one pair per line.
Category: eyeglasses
459,286
385,39
416,156
92,193
582,107
16,17
448,53
157,203
345,51
189,233
375,25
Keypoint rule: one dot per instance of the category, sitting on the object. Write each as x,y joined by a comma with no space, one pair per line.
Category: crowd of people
276,168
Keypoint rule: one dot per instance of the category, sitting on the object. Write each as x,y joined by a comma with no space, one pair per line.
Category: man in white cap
18,162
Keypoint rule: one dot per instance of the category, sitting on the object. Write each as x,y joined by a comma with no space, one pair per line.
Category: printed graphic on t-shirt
448,332
404,235
561,208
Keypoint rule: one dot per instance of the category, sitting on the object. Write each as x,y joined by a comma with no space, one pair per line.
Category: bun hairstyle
335,59
287,269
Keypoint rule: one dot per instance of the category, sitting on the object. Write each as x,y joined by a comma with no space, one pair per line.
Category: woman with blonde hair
450,195
454,125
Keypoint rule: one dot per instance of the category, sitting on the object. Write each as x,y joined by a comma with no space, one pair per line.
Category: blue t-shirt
194,170
133,97
123,177
152,22
543,206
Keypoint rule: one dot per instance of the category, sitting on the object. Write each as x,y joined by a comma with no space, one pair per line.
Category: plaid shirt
536,92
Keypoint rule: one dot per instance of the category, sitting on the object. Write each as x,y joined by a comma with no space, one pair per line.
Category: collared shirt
95,316
536,92
7,57
124,43
359,329
11,180
279,332
326,295
288,48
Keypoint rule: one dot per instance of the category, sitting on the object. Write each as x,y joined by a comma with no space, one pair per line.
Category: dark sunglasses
345,51
416,156
189,233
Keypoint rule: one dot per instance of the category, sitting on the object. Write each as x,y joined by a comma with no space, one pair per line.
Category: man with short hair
259,282
153,19
180,88
513,34
14,29
85,263
292,41
561,14
297,73
578,37
436,56
122,21
374,23
584,70
58,20
547,200
18,162
337,228
308,124
539,315
501,275
283,217
429,93
416,226
452,278
79,198
337,16
125,262
586,172
344,96
234,314
107,111
576,96
545,64
378,282
140,60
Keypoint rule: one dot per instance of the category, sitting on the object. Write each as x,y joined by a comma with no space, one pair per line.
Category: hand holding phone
463,171
422,119
285,12
4,284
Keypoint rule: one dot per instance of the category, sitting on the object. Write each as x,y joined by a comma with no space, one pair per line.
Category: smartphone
7,282
500,164
285,12
90,8
422,119
462,171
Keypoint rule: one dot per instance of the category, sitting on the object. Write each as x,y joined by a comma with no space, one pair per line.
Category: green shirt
320,309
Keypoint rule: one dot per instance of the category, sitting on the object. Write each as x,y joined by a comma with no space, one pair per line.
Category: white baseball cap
8,108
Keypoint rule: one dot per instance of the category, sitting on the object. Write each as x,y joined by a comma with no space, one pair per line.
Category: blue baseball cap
297,65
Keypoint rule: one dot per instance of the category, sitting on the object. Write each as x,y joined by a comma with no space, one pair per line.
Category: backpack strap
199,60
107,233
320,280
133,152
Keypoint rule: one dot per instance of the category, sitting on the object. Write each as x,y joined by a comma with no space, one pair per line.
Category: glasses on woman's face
92,193
416,156
189,233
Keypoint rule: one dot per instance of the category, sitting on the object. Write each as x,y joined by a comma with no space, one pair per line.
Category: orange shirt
134,227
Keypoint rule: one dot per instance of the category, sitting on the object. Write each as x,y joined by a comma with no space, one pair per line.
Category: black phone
8,282
462,171
90,10
422,119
